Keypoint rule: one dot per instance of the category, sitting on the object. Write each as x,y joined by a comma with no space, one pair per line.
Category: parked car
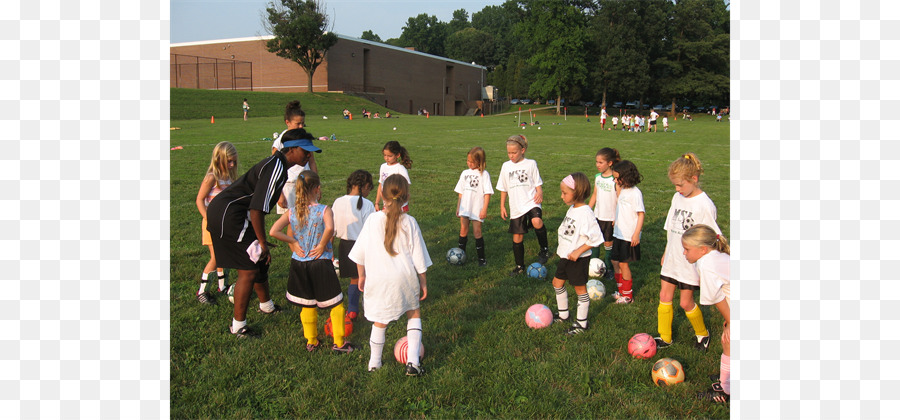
631,104
526,101
589,103
646,106
513,101
657,107
617,104
551,102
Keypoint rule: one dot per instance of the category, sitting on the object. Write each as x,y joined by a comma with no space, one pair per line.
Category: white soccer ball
395,128
456,256
595,289
596,268
324,117
539,128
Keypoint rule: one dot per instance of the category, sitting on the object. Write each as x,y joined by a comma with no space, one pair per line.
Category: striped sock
581,314
562,302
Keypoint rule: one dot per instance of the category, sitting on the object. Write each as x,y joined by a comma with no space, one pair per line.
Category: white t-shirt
615,120
714,269
629,204
392,282
653,115
472,186
348,221
684,213
666,121
578,228
293,172
520,181
388,170
605,200
603,114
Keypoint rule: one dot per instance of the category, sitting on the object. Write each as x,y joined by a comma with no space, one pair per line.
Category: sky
199,20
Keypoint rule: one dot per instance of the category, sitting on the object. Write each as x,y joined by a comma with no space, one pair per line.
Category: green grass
481,358
188,104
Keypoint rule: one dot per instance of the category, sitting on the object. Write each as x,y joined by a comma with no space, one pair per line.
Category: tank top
309,234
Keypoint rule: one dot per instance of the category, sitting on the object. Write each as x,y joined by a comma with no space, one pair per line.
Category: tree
458,22
370,36
472,45
424,33
301,35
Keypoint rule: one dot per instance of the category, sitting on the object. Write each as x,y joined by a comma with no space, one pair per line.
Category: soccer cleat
414,370
702,343
205,298
352,315
519,270
575,329
616,295
624,300
277,309
558,320
243,332
544,256
374,368
346,348
312,347
482,262
660,343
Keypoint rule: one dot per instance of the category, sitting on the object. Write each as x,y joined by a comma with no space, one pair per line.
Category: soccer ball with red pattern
348,327
667,371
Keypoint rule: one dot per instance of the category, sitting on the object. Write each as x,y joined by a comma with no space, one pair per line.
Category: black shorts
230,254
522,224
678,284
313,284
652,122
622,251
575,272
606,228
346,265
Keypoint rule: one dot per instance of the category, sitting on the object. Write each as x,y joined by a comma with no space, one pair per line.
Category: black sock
479,247
542,237
463,240
519,253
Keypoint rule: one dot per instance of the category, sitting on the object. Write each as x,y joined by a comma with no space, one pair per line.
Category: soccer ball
337,267
231,293
348,327
537,271
667,371
642,346
595,289
456,256
395,128
538,316
596,268
401,350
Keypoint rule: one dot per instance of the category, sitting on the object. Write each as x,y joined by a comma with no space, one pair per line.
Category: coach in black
236,222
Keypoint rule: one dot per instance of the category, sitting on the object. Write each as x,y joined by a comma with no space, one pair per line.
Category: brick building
397,78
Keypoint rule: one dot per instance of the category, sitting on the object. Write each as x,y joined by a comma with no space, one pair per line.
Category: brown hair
307,181
395,190
582,186
477,154
703,235
611,155
519,140
394,147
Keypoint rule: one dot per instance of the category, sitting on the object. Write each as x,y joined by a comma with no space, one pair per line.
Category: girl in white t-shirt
221,173
577,234
690,205
627,229
396,161
710,254
391,259
603,201
350,214
294,118
474,193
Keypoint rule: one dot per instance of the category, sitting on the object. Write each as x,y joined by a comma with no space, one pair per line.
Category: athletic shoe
243,332
519,270
205,298
557,319
576,329
276,309
312,347
624,300
482,262
661,344
346,348
374,368
616,295
414,370
224,290
544,256
702,343
352,315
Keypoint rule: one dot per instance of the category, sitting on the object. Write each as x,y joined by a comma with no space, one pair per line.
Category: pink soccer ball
401,350
538,316
642,346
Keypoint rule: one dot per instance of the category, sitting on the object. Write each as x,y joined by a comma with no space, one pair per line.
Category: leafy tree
425,33
371,36
458,22
301,35
472,45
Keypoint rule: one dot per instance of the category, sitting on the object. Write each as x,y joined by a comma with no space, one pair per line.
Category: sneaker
576,329
243,332
702,343
624,299
346,348
276,309
558,320
312,347
482,262
519,270
544,256
224,290
352,315
616,295
374,368
205,298
660,343
414,370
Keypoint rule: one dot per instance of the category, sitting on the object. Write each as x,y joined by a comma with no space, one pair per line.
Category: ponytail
703,235
307,181
396,192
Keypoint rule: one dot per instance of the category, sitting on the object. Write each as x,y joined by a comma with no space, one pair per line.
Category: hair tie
301,177
717,237
569,182
688,157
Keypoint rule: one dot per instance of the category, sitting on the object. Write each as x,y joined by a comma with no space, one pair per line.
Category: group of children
637,123
383,252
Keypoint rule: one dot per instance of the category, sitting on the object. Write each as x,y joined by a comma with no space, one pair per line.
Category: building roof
348,38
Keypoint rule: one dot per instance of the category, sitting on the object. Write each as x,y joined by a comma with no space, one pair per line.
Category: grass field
481,358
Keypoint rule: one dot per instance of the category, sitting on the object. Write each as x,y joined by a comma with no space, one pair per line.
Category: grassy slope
481,358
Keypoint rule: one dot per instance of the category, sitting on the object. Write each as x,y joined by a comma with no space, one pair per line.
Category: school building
400,79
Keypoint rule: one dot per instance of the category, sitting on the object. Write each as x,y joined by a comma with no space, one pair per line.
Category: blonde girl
603,201
350,214
391,260
396,161
221,173
690,205
710,254
578,234
312,282
473,195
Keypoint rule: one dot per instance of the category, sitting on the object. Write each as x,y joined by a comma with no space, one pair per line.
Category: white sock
581,314
203,283
562,302
267,306
725,373
413,340
236,325
376,344
221,280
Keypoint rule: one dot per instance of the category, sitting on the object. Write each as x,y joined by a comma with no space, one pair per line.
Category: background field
481,359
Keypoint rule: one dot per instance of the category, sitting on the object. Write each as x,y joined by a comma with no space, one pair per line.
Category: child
710,254
603,116
603,200
391,259
294,118
666,123
578,233
221,173
246,108
627,228
396,161
690,205
474,193
520,179
615,123
312,282
350,213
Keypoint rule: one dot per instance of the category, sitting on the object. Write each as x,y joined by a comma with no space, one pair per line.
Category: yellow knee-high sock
309,317
665,313
337,324
696,318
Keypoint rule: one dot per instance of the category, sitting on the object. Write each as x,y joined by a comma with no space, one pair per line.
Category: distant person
396,161
473,196
665,123
246,108
346,113
221,173
603,117
615,123
377,115
653,116
387,114
294,118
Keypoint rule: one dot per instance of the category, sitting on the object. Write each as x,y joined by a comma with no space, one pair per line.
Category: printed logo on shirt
683,218
473,180
520,175
569,228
